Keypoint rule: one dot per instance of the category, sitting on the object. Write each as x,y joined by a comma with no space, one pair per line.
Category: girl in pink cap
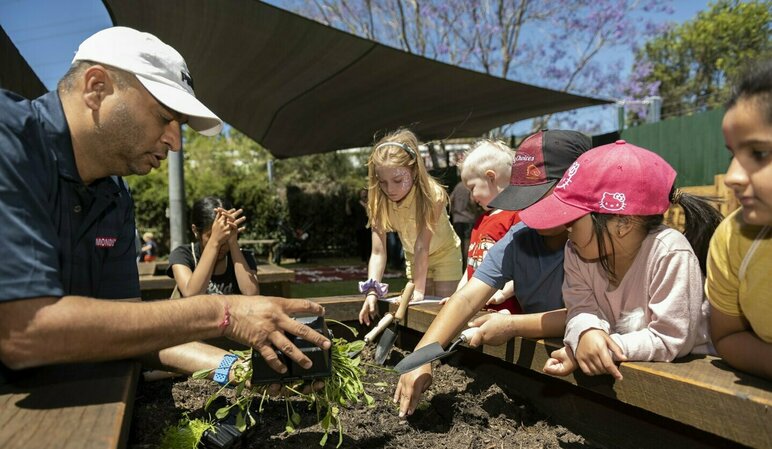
633,287
740,260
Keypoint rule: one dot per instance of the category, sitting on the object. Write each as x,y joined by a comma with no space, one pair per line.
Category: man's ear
97,86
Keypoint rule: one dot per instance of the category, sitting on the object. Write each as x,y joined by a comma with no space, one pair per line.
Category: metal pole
655,109
621,116
270,172
177,215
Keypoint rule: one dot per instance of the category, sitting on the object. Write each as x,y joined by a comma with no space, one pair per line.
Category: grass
332,288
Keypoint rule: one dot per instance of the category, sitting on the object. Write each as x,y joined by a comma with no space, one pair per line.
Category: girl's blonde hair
485,155
400,149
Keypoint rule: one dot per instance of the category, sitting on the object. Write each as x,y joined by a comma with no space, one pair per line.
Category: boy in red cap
633,286
533,260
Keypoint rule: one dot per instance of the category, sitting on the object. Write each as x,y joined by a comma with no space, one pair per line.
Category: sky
48,32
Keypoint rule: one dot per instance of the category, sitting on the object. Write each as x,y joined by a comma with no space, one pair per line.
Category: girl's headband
407,149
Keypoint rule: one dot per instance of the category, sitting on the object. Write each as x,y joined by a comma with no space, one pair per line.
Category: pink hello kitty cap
618,178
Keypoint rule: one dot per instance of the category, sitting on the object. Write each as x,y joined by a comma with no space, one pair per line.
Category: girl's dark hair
202,215
701,218
755,83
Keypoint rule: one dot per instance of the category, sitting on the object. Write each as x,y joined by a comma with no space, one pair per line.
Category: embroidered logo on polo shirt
105,242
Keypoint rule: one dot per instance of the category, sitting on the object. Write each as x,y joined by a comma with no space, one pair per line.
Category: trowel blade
384,346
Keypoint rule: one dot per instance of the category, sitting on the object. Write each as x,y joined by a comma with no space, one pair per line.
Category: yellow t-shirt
739,279
403,220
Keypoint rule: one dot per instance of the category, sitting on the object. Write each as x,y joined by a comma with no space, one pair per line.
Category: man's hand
261,323
410,388
369,309
495,329
592,354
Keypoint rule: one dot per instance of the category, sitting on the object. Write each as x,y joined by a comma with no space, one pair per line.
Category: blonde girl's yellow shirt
739,278
402,216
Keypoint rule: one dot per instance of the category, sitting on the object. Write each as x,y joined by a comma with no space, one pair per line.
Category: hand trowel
390,334
432,352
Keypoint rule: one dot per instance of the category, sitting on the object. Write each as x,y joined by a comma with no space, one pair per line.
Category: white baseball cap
159,68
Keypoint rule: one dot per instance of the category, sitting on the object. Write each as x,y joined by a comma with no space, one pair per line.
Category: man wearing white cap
68,220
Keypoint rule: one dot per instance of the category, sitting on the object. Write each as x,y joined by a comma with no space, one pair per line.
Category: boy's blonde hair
400,149
487,155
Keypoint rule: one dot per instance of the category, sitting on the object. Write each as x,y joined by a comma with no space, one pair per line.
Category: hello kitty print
613,202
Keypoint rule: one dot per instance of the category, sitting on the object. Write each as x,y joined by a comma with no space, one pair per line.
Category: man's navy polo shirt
60,237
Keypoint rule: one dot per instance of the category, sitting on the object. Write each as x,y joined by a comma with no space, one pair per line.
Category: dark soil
464,408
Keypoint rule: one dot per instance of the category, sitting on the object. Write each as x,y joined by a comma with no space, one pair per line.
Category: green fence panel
693,145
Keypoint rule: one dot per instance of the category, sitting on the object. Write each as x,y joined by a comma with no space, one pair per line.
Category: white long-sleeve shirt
656,313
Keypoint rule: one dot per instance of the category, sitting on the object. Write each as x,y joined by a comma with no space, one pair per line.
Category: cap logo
532,172
186,78
567,177
613,202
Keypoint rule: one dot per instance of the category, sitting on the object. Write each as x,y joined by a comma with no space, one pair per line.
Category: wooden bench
69,406
274,280
700,391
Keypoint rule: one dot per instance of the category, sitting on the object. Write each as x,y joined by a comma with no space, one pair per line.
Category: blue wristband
221,373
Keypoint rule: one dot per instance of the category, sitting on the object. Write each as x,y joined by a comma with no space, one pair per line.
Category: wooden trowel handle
385,321
407,293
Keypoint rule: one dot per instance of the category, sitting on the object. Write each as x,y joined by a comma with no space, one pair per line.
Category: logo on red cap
567,177
532,172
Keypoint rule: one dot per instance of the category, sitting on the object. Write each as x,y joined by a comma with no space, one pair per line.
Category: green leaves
342,390
696,61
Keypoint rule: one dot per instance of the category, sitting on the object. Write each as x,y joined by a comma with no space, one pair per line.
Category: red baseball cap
540,161
618,178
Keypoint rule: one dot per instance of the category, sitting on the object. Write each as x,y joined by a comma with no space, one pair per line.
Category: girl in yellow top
404,198
740,258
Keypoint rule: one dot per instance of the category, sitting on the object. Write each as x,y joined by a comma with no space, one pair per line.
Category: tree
570,46
692,65
233,166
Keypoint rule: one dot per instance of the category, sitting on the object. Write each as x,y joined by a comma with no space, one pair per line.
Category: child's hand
561,363
221,230
445,299
496,299
592,354
369,310
235,221
495,329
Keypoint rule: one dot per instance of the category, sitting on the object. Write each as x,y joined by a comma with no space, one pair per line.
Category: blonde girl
404,198
633,287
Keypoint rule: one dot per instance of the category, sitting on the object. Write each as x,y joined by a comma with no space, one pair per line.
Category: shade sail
299,87
15,74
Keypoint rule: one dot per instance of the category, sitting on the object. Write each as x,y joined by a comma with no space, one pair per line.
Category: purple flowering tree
580,46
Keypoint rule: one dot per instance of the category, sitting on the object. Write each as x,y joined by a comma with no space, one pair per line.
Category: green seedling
342,389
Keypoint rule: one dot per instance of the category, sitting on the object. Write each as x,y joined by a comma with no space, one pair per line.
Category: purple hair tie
380,289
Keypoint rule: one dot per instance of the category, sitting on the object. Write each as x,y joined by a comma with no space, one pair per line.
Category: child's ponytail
701,218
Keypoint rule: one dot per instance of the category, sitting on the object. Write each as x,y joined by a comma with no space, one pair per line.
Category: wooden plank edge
747,412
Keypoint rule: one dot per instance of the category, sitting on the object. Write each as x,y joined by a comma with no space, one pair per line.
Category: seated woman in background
740,257
214,264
